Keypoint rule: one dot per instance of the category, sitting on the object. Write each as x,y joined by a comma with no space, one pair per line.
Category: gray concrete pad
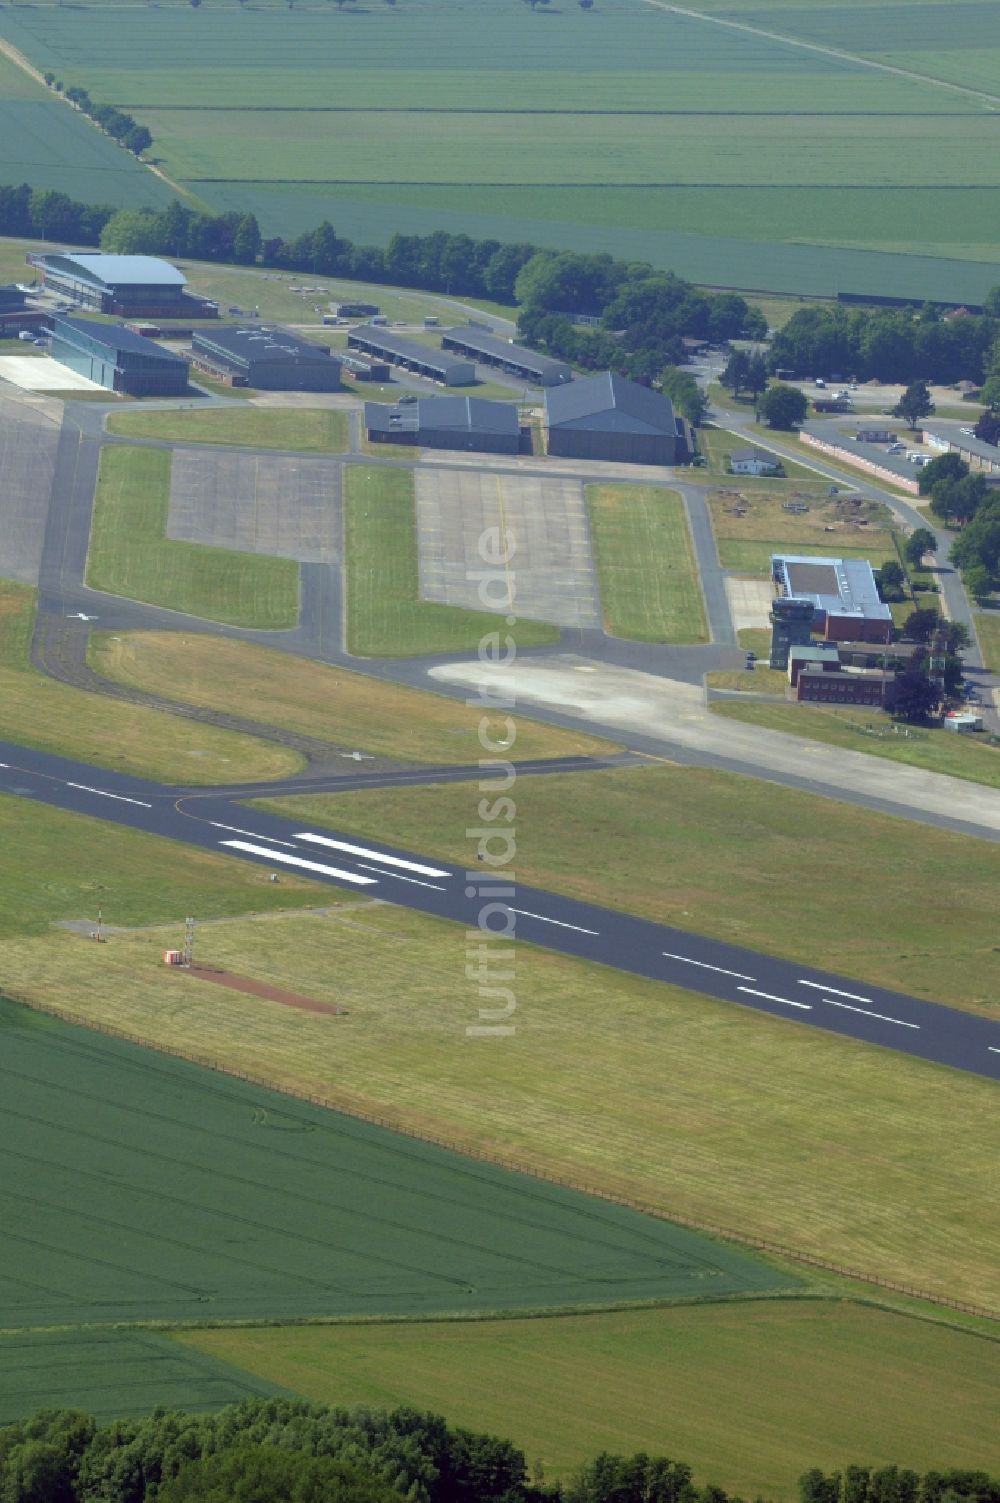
29,438
749,602
551,565
257,503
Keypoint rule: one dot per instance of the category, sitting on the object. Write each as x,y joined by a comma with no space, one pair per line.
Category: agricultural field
131,555
650,590
307,430
855,203
568,1388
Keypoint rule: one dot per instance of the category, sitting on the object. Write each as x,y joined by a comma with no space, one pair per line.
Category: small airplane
80,616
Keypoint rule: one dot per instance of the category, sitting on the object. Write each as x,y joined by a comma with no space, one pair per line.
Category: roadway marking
851,996
363,850
309,866
706,967
103,793
769,997
235,830
993,1049
866,1014
558,922
400,877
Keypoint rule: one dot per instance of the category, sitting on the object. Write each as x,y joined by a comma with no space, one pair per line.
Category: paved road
215,820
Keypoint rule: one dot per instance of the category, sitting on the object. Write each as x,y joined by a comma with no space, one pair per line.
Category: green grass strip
131,556
385,615
646,565
306,430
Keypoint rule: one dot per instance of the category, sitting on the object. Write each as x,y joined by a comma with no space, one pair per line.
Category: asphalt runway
487,899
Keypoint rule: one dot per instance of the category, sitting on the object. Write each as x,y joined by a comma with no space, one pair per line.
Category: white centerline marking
309,866
851,996
400,877
103,793
363,850
704,965
993,1049
866,1014
558,922
769,997
235,830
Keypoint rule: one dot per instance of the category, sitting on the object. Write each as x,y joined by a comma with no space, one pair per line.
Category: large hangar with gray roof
130,286
470,423
488,349
264,357
383,344
607,417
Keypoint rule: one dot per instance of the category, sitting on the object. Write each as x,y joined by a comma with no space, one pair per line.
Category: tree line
292,1451
118,124
891,344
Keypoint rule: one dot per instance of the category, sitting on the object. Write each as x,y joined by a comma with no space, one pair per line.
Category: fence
471,1150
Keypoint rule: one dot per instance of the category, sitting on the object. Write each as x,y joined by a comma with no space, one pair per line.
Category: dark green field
140,1187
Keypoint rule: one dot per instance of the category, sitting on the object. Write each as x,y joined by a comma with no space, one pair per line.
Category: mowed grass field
131,555
731,1388
688,1106
303,429
736,858
649,584
385,615
345,708
750,522
636,108
40,712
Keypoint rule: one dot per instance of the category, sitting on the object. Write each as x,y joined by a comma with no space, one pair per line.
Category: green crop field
131,555
114,1374
307,430
649,580
142,1187
736,157
732,1389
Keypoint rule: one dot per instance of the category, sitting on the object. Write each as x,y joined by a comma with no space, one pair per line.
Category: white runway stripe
769,997
399,877
835,991
370,855
300,861
867,1013
704,965
103,793
235,830
558,922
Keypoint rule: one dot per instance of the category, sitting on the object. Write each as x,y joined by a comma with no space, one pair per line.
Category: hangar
383,344
488,349
447,423
607,417
264,357
117,359
129,286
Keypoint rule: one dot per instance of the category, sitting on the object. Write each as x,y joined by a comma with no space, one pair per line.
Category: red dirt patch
261,989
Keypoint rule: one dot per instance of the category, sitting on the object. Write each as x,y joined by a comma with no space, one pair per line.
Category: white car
969,432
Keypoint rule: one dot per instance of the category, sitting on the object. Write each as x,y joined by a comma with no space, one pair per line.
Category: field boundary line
472,1151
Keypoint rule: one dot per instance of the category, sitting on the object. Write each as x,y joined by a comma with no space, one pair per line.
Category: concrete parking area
29,437
257,503
551,564
749,603
42,373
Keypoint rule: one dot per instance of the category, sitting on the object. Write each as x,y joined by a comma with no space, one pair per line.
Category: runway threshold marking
300,861
103,793
559,923
819,987
704,965
867,1013
770,997
235,830
364,850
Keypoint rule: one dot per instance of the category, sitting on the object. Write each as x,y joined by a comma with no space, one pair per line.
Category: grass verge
736,858
646,566
614,1082
762,680
988,632
862,730
42,713
733,1387
131,555
385,615
302,429
347,709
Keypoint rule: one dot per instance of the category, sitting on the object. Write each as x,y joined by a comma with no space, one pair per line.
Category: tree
921,625
756,378
734,377
949,466
685,393
138,139
783,406
978,583
991,302
585,4
916,696
914,404
247,241
132,232
956,502
891,580
920,542
988,428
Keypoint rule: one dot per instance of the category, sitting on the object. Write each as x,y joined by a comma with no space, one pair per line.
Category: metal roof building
447,423
607,417
125,285
843,593
420,358
264,357
489,349
118,359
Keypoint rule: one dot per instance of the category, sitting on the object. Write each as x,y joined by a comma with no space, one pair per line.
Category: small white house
753,462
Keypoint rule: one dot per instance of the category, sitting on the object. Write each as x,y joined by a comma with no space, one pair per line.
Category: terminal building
448,423
487,349
395,349
265,358
127,286
117,359
843,594
607,417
